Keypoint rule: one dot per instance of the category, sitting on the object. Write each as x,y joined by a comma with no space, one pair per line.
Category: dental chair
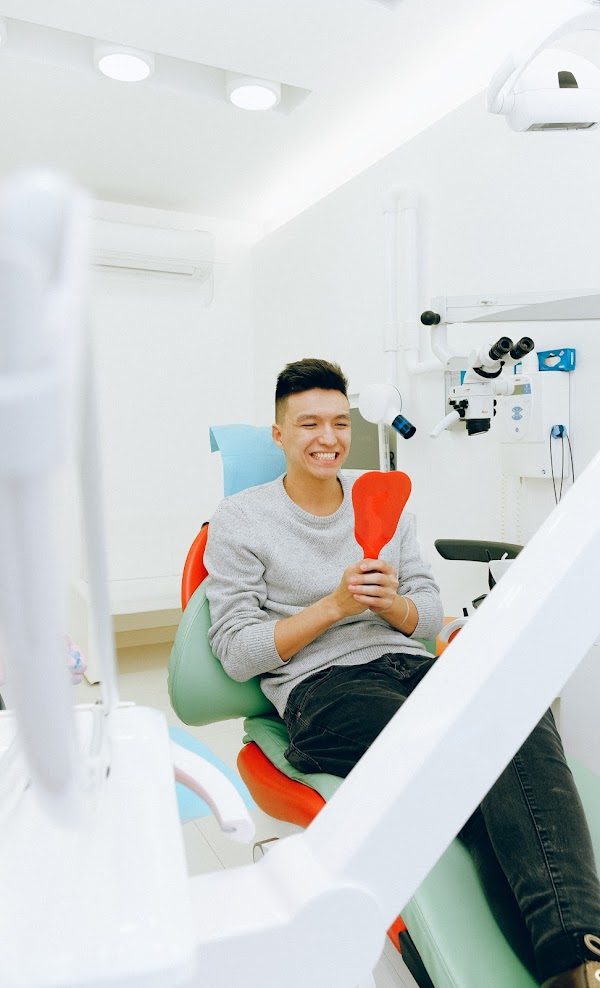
447,934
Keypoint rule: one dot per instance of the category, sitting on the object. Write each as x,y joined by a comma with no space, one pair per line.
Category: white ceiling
378,72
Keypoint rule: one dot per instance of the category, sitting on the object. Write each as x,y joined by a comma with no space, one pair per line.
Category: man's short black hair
303,375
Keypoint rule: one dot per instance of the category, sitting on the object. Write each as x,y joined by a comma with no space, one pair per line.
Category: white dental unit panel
104,900
524,426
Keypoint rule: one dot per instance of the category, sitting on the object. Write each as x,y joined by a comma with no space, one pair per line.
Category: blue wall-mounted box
561,359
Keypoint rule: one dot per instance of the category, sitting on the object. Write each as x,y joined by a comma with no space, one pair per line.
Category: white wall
502,212
168,367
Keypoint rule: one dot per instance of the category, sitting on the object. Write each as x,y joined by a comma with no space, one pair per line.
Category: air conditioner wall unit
187,254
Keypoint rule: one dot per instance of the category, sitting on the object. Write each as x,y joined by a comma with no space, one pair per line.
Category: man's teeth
324,456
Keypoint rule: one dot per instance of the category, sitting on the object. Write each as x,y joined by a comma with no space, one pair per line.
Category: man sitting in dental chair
334,636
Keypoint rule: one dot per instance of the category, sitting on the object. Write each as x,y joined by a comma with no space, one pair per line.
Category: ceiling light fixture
123,64
252,94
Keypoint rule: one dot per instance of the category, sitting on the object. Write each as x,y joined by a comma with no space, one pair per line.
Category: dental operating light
382,404
543,88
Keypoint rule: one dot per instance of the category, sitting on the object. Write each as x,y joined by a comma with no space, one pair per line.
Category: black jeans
529,838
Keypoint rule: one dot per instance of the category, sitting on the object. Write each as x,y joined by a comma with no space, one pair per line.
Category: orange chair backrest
194,570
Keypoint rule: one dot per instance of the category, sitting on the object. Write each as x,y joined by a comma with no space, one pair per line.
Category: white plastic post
33,441
47,411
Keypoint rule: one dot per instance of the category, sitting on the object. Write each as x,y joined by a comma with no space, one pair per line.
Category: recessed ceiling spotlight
252,94
123,64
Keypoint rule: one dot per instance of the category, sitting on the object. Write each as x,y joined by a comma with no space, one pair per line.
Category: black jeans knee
334,715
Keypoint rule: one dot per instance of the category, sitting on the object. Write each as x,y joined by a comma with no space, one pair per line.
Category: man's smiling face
314,433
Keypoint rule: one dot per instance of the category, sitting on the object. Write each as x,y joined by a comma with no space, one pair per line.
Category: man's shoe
585,976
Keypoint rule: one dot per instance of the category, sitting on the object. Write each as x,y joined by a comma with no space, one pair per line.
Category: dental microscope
473,401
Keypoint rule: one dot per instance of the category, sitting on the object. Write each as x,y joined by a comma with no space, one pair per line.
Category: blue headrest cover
250,457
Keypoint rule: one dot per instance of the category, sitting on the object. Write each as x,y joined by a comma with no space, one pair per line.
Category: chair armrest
476,551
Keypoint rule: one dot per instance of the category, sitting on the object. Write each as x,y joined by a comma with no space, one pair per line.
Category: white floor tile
267,826
394,959
230,853
385,975
199,854
226,743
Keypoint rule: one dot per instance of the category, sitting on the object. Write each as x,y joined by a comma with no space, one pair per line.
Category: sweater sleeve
241,634
416,581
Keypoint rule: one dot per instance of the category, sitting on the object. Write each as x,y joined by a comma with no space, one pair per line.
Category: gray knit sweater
267,558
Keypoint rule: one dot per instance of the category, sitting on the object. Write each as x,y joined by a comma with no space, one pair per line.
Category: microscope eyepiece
501,348
520,349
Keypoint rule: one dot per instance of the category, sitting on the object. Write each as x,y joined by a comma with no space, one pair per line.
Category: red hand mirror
378,500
